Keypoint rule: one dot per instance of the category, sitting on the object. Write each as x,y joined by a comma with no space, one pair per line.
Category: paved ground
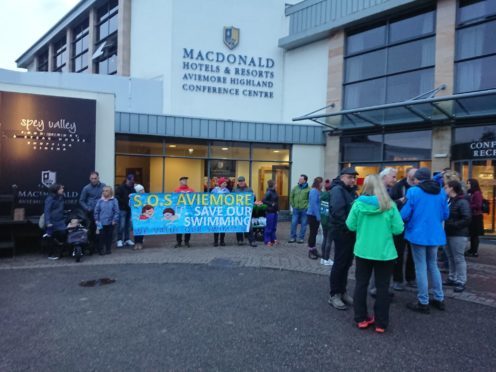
218,316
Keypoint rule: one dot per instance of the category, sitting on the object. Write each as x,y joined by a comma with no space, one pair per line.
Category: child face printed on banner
147,212
170,215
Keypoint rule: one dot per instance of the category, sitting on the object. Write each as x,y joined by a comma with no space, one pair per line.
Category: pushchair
258,221
77,233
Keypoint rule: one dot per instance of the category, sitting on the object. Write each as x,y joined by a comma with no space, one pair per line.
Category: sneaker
129,242
216,244
380,329
253,244
53,258
120,244
292,240
240,243
449,283
437,304
187,245
300,241
459,288
336,302
347,299
418,307
322,261
397,286
411,284
269,244
222,244
366,323
329,262
178,245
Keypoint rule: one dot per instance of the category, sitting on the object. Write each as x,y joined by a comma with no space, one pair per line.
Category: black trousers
56,244
382,274
343,258
314,228
247,235
105,239
404,251
93,239
222,237
179,238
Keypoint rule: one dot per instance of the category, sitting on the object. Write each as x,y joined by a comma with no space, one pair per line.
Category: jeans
179,238
382,273
105,239
455,250
404,251
326,244
343,258
314,228
270,228
299,216
425,258
124,225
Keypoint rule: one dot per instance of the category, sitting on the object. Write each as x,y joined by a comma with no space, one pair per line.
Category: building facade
403,83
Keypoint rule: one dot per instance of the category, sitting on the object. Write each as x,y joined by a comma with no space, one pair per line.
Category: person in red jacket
183,187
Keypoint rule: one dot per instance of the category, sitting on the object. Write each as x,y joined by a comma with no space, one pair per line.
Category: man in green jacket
299,202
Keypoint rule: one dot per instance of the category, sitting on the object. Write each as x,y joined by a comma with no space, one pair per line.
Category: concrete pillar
445,45
91,40
441,147
124,38
50,57
69,47
334,95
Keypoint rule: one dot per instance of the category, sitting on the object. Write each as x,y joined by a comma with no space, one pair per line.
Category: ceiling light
225,148
191,151
276,151
172,146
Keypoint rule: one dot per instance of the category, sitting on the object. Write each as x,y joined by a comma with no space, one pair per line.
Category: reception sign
45,140
199,212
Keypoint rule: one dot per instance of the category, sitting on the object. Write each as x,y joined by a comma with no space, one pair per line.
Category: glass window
476,40
369,39
225,150
190,150
364,94
133,145
474,134
60,55
147,171
471,10
408,28
176,168
410,56
43,61
279,172
406,86
366,66
270,152
478,74
408,146
362,148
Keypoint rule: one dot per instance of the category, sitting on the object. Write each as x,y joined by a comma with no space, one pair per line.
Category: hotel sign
475,150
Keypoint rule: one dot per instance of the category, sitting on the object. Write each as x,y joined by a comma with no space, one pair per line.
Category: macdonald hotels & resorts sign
45,140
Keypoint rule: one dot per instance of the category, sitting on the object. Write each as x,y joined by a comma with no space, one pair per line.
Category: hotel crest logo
231,37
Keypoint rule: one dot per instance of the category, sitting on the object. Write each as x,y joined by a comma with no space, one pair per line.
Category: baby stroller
258,221
77,234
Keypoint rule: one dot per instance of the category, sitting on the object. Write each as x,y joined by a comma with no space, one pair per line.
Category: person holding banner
243,187
220,189
183,187
271,200
122,195
138,239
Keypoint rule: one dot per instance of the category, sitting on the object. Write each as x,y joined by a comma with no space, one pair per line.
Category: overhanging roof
431,110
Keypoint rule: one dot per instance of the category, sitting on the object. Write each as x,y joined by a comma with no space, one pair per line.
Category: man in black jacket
403,248
122,195
342,195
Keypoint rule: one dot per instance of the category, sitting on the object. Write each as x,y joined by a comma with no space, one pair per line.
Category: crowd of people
395,230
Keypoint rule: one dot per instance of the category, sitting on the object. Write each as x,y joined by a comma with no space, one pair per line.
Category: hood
430,187
337,182
368,204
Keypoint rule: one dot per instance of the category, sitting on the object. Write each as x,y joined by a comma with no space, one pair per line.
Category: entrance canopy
422,109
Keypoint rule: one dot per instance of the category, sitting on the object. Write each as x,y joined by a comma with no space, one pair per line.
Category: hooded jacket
341,198
459,217
107,211
425,210
298,197
54,212
374,228
271,200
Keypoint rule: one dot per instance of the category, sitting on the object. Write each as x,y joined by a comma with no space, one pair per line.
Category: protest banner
198,212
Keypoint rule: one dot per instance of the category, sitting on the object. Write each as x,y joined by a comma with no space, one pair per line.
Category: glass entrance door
483,171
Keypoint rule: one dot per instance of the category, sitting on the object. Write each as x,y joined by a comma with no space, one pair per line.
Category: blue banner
196,212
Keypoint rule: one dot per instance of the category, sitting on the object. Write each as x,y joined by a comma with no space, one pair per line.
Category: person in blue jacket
55,220
313,217
424,212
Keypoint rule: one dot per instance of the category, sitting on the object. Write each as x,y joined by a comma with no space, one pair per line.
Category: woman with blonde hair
375,218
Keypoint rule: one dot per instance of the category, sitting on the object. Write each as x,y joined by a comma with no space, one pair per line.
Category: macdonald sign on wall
45,140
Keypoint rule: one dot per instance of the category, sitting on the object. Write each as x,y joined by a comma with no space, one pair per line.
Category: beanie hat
138,188
423,174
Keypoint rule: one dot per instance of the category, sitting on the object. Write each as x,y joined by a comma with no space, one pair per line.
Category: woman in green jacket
375,218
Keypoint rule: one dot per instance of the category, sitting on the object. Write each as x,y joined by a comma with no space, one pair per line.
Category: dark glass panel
476,40
408,28
372,38
364,94
366,66
362,148
478,74
410,56
408,146
409,85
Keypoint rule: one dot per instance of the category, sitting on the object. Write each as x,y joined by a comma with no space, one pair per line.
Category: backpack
485,206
